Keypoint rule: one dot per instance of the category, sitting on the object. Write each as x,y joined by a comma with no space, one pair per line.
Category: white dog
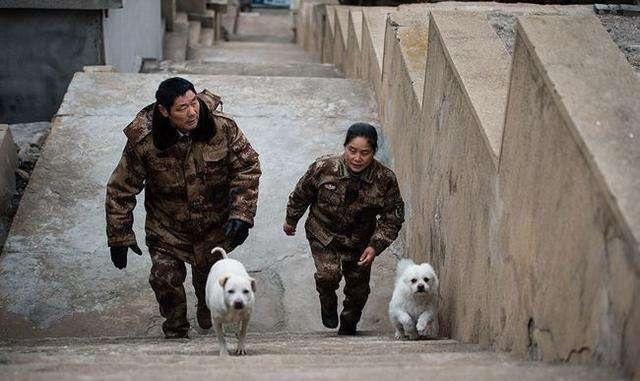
230,296
413,308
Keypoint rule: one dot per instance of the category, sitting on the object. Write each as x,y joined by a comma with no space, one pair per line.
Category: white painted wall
134,32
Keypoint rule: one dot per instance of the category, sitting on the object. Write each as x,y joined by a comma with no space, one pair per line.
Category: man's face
184,112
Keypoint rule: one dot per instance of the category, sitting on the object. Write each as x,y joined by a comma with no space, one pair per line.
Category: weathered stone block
373,28
354,58
463,106
570,177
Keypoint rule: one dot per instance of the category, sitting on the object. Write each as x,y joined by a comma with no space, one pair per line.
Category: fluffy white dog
413,308
230,296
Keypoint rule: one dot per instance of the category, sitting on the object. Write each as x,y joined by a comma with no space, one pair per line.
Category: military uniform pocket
162,173
215,163
329,195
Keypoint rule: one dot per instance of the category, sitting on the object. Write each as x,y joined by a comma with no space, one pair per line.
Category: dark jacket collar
165,135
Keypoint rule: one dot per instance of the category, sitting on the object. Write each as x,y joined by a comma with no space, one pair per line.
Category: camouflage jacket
193,183
354,211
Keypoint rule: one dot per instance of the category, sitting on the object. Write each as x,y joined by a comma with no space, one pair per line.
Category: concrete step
254,69
260,25
280,356
251,55
259,46
60,225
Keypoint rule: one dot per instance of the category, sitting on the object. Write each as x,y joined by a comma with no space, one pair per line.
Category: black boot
348,323
329,310
204,317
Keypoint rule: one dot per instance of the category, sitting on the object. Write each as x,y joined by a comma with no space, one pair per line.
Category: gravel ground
623,29
30,138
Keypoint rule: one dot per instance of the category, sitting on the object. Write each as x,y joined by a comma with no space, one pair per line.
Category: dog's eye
245,291
231,291
426,280
414,280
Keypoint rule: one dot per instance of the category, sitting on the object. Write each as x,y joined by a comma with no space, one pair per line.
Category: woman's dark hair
172,88
364,130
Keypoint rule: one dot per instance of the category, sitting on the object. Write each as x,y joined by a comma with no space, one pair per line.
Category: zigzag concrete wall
521,172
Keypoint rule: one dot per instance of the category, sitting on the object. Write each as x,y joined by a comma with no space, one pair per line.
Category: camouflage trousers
167,277
332,263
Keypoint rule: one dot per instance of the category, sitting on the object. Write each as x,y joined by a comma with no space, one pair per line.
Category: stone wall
520,170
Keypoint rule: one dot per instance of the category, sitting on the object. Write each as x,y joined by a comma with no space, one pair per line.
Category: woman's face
358,154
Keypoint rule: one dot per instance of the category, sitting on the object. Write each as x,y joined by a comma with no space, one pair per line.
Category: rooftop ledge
61,4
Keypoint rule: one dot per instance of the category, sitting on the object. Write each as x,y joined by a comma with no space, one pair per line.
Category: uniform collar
366,175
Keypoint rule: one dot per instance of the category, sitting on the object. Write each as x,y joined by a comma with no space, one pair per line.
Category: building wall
133,33
41,49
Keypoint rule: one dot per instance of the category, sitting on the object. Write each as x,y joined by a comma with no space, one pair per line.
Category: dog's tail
402,265
220,250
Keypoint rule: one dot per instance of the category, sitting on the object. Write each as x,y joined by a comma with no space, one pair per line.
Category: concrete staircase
310,356
56,279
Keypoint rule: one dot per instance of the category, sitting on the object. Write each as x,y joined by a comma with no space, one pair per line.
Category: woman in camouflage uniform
356,212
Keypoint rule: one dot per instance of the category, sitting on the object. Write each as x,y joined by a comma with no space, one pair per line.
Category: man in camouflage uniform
200,176
352,216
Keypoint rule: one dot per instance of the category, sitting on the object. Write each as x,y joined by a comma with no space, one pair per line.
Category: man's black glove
119,255
236,230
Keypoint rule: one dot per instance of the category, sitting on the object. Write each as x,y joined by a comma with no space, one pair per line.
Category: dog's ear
253,284
223,280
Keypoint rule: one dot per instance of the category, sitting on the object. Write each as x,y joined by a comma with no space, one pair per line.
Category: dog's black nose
421,288
238,305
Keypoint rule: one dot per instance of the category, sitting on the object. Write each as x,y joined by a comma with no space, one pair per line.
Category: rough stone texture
254,69
312,356
353,59
625,32
569,180
373,28
28,133
8,166
59,228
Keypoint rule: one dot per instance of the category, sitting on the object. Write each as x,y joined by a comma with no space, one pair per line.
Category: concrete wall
521,173
42,48
132,33
8,166
41,51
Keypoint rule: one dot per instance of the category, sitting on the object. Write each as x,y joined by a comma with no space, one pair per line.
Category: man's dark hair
172,88
364,130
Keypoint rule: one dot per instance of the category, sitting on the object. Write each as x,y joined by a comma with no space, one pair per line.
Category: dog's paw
224,353
240,351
